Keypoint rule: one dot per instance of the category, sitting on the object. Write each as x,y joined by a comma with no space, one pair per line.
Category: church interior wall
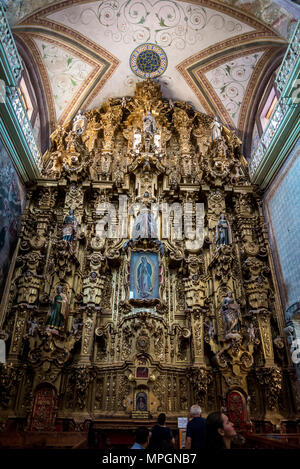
282,211
12,200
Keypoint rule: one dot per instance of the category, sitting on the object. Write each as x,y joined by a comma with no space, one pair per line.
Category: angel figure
251,332
91,133
210,329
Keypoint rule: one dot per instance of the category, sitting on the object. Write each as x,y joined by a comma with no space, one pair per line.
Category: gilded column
87,340
19,331
198,337
263,319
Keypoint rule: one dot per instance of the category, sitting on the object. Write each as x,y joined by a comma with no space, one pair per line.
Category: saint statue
144,273
231,317
216,129
59,310
149,124
79,123
223,231
144,225
69,227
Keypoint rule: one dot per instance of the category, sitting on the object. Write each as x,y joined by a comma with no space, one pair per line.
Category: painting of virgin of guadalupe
141,402
144,276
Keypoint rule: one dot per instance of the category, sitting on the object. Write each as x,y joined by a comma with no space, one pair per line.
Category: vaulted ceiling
217,53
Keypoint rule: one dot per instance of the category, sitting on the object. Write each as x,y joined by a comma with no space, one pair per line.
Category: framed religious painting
142,372
144,276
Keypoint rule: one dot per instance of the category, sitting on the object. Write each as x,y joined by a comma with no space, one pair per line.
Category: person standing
195,431
162,437
219,431
142,436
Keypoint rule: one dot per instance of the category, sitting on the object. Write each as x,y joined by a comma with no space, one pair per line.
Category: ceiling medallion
148,61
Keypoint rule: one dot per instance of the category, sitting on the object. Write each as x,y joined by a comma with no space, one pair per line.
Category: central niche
144,276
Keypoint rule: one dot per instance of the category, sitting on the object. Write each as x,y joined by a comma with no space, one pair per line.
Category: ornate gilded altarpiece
112,312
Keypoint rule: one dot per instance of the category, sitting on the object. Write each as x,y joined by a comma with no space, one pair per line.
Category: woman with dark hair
162,436
219,431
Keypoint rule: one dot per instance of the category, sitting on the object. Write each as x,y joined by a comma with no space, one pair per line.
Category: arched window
33,95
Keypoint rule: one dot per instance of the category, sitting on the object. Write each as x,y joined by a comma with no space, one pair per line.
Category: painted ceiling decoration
209,53
73,72
148,61
270,13
225,77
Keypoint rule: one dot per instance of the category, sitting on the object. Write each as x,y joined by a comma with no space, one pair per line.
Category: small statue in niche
79,123
231,317
216,127
251,332
32,327
58,311
223,231
174,176
76,326
118,174
210,329
106,161
69,229
149,124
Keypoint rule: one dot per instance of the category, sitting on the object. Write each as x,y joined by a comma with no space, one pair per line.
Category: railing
270,130
43,440
289,60
18,106
9,45
272,441
282,79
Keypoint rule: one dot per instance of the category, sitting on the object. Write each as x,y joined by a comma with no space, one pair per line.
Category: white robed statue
144,225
